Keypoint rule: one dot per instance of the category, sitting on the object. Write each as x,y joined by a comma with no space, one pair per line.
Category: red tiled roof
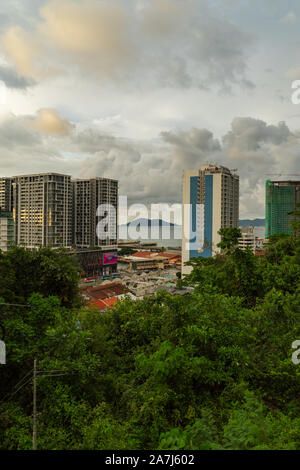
144,254
153,255
103,304
170,256
103,292
110,301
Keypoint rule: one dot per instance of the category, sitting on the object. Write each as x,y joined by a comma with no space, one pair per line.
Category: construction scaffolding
281,198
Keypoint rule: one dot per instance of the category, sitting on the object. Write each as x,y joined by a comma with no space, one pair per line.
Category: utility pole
26,380
34,405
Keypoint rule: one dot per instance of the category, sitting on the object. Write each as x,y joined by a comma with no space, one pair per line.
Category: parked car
90,279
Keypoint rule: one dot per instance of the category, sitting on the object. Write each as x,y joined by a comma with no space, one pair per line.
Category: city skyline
52,209
149,96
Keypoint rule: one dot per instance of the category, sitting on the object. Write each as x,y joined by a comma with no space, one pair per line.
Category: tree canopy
208,370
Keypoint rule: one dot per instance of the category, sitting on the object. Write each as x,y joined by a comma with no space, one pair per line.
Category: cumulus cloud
23,150
48,121
14,135
151,171
191,147
251,146
249,134
167,42
21,48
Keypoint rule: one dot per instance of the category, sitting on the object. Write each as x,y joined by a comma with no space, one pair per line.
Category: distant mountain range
162,223
149,222
254,223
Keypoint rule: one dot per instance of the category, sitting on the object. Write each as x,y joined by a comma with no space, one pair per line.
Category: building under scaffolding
281,198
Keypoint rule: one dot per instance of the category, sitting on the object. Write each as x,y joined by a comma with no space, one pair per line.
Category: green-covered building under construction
281,199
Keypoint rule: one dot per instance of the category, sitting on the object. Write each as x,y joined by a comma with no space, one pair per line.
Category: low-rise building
250,240
104,291
97,262
144,260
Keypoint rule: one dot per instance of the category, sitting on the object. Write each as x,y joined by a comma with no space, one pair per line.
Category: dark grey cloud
151,171
191,147
15,136
253,147
12,80
91,141
169,43
21,12
250,134
200,139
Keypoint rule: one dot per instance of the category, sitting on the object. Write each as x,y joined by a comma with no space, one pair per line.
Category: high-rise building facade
42,210
53,210
6,194
210,198
7,233
90,195
281,198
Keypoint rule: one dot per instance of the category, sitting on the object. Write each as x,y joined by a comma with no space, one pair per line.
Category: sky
139,90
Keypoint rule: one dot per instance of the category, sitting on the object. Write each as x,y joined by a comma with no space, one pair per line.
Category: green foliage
249,427
229,237
211,370
236,274
126,251
242,274
45,271
295,223
202,435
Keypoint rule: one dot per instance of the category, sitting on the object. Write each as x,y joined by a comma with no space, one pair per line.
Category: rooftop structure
95,293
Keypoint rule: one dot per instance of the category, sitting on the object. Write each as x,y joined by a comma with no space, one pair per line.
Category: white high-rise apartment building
42,210
88,196
210,198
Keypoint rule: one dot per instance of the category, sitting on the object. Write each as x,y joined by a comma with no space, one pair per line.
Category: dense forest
208,370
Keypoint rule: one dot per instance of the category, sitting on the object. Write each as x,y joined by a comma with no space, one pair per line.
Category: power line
52,375
23,385
14,305
44,373
11,394
34,405
22,379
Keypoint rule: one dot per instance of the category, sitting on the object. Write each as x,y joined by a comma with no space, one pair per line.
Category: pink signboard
110,258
